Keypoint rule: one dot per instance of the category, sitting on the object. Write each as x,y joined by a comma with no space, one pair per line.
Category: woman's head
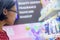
7,11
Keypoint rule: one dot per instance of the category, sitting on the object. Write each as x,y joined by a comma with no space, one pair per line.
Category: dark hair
5,4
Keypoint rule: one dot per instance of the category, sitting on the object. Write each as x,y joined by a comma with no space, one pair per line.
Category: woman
7,16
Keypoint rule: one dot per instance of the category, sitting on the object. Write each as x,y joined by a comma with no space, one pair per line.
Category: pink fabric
20,32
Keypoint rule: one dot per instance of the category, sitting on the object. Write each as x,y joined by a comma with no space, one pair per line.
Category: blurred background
36,20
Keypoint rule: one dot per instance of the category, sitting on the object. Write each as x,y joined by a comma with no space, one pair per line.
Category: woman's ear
5,12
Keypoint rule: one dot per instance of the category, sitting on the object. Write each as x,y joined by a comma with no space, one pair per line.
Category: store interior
47,27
